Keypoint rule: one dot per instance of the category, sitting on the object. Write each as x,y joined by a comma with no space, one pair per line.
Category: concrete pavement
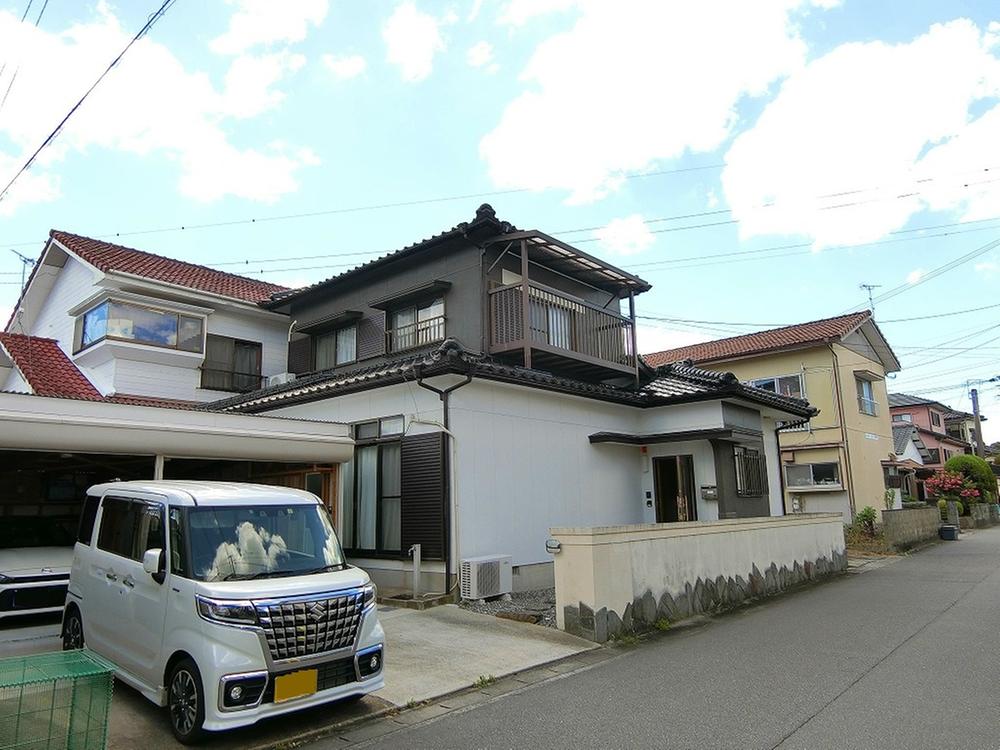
897,656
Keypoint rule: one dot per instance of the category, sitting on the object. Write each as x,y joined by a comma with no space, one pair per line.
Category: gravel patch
540,603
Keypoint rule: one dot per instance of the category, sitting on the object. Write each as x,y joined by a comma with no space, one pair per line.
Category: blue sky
832,131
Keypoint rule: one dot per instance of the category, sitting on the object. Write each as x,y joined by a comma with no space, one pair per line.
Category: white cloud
519,12
477,5
480,54
149,105
346,67
266,22
412,39
628,236
249,82
655,339
633,82
988,268
854,130
915,275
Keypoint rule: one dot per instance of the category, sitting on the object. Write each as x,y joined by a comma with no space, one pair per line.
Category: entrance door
674,485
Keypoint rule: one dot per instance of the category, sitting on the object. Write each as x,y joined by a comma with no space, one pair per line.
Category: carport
52,449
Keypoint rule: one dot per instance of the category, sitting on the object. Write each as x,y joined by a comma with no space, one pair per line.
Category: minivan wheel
72,635
186,702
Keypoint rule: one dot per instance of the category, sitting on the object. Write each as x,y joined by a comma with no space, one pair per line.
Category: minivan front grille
305,627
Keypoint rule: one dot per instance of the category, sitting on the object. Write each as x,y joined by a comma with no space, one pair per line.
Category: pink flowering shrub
952,486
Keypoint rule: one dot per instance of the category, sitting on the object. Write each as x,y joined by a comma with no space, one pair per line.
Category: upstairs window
902,417
866,397
143,325
417,325
935,419
231,365
336,348
786,385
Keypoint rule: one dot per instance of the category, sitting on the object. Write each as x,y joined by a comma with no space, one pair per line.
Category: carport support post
158,463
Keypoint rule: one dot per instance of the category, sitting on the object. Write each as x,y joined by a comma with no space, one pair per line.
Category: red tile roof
46,367
108,257
775,339
163,403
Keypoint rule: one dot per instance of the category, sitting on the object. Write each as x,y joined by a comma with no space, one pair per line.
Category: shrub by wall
978,472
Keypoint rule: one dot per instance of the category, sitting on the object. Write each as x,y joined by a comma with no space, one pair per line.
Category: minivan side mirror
153,563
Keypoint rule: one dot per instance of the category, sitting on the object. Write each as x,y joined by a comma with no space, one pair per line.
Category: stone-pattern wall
909,526
700,597
980,513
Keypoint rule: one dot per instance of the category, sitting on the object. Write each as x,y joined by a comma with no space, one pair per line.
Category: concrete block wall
623,579
908,526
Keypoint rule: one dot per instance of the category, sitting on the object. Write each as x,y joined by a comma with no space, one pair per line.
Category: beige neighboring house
840,459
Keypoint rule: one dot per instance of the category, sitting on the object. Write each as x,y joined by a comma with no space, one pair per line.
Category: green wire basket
57,700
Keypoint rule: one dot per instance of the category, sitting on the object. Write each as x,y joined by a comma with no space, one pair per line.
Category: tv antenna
25,262
868,288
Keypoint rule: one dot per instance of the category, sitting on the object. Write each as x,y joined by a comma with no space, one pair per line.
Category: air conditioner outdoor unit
481,577
280,378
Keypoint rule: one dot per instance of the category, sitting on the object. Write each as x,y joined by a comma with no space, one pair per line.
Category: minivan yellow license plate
299,684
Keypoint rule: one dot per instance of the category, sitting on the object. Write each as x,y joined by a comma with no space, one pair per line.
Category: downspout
445,395
843,429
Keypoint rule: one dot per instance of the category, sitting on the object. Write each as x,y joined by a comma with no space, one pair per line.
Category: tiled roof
675,383
163,403
109,257
761,342
901,435
485,218
904,399
46,368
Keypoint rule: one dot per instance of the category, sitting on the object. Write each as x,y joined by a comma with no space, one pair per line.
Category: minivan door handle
111,576
129,581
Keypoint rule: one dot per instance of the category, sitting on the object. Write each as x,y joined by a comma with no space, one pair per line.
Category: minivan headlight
227,611
371,593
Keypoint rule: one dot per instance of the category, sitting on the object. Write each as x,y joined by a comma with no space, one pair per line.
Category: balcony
563,333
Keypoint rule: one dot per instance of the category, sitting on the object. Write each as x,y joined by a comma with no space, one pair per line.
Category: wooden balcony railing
417,334
558,322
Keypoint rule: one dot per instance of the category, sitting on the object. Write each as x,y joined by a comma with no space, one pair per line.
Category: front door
674,485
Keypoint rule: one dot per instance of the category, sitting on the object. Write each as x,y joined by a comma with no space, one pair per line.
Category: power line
52,136
18,68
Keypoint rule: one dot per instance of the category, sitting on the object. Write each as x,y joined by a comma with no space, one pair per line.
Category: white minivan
225,602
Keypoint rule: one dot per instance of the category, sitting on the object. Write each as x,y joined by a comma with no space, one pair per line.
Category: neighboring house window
812,475
935,455
372,510
935,419
750,472
231,365
336,348
417,325
902,417
866,397
786,385
143,325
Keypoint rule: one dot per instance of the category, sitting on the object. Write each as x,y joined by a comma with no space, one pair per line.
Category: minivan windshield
261,541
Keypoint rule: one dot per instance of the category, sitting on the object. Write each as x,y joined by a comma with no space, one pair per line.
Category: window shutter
300,355
371,336
423,494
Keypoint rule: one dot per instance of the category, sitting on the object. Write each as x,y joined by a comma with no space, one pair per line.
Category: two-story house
104,360
930,419
491,379
837,461
961,426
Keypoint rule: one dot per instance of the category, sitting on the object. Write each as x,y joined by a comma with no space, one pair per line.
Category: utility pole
868,288
980,449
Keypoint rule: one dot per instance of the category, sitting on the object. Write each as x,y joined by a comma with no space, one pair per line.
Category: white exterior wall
773,457
525,464
74,283
14,383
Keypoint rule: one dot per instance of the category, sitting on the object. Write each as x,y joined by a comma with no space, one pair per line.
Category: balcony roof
573,262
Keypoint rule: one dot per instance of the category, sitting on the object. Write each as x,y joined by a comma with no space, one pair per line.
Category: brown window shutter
300,355
371,336
423,494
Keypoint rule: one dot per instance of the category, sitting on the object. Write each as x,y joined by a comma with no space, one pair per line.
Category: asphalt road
903,656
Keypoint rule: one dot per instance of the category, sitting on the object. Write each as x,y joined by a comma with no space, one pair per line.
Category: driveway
898,656
428,654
